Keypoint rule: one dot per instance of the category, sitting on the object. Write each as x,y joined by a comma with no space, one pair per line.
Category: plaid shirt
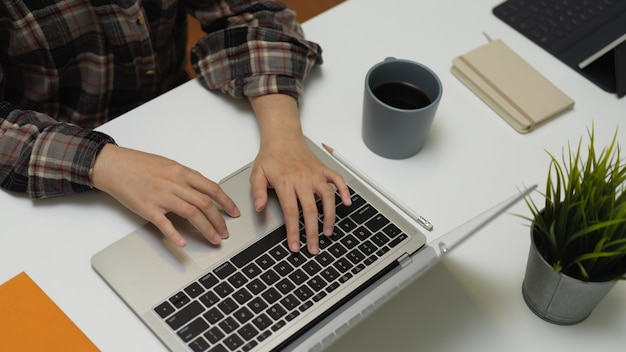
67,66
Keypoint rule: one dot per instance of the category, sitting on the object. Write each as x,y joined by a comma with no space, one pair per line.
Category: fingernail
294,246
313,249
258,204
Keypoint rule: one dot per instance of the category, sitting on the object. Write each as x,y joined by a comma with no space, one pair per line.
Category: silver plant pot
558,298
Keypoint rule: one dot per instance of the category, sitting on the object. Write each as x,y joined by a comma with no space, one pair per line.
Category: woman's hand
152,186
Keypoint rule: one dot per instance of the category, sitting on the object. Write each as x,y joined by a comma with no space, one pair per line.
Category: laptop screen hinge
405,260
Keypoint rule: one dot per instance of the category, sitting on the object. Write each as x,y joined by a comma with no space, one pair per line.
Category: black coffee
401,95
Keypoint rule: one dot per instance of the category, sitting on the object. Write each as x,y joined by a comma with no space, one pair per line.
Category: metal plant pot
558,298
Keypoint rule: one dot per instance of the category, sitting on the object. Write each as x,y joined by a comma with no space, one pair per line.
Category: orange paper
30,321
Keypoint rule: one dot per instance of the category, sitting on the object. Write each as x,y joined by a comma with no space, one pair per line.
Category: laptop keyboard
250,297
556,24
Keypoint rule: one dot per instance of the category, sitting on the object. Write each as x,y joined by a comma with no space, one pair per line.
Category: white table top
472,160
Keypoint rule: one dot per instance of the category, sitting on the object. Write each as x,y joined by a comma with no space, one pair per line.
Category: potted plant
578,236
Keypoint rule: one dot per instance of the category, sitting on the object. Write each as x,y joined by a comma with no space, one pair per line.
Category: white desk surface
472,160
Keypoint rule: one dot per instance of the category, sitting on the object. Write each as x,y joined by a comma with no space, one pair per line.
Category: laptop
588,36
250,293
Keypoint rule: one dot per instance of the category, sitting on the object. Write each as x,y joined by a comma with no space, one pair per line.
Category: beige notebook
513,88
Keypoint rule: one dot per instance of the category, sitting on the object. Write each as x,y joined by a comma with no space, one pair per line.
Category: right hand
152,186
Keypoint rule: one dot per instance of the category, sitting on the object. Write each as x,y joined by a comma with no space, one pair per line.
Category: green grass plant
581,228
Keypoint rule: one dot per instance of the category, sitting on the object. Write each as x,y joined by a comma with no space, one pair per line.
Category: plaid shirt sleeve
252,48
45,158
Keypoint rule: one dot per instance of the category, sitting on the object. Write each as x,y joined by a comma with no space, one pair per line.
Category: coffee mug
399,105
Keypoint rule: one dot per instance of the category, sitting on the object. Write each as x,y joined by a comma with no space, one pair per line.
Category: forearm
278,119
44,158
252,50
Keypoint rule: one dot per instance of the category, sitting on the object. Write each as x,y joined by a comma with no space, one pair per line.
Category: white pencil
418,218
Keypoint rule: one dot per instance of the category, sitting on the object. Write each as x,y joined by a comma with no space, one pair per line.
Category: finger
327,196
215,192
311,216
259,185
167,229
207,207
196,218
289,204
344,192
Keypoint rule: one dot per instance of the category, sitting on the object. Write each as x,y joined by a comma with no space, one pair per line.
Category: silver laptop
250,293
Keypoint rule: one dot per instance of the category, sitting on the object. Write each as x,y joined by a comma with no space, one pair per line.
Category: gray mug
401,98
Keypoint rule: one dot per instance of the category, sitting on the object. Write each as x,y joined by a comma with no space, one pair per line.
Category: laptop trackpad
243,230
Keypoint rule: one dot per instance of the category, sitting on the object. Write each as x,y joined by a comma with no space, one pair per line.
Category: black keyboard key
227,306
251,253
248,332
397,240
199,345
377,222
209,299
324,258
285,286
194,290
225,270
278,325
237,280
392,230
296,259
343,265
355,256
364,213
368,248
342,210
362,233
179,299
256,286
262,322
276,312
316,283
279,252
242,296
218,348
193,330
214,335
228,325
311,267
257,305
337,250
290,302
243,315
233,342
185,315
252,270
298,277
271,295
303,293
209,280
264,335
265,261
249,346
269,277
164,309
349,241
283,268
224,289
291,316
213,315
330,274
346,225
380,239
305,306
